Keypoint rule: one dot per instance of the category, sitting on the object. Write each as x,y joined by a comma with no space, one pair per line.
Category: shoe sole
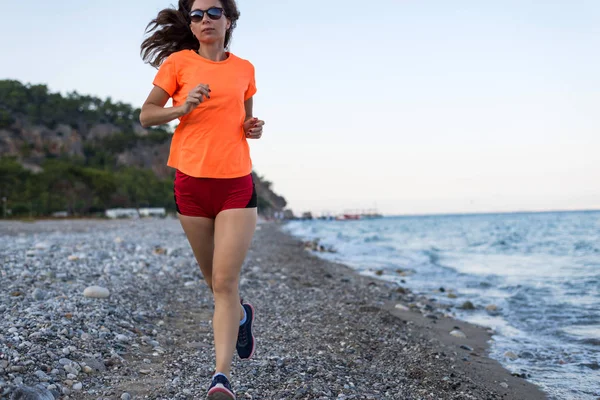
253,340
220,395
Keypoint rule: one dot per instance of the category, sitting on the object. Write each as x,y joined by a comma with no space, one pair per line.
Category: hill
82,154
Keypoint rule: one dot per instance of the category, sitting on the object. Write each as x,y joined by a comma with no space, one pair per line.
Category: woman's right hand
195,97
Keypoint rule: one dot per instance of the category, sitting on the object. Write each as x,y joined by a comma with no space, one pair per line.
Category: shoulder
242,62
177,57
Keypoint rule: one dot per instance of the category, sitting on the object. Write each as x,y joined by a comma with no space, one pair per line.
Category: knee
224,285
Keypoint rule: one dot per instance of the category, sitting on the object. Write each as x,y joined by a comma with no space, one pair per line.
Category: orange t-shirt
209,141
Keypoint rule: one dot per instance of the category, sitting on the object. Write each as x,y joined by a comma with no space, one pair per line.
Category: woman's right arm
154,112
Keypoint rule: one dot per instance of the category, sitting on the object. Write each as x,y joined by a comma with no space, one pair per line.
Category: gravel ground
322,331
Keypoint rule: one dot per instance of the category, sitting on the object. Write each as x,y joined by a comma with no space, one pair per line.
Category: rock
70,369
442,289
465,347
401,290
402,307
159,250
511,355
41,375
379,272
491,308
504,385
526,354
96,292
125,396
32,393
78,386
122,338
95,364
467,305
38,294
452,296
458,333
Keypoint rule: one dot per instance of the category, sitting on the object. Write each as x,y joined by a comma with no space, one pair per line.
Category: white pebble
459,334
78,386
96,292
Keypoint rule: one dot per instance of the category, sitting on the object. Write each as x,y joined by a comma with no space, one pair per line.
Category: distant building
116,213
153,212
307,215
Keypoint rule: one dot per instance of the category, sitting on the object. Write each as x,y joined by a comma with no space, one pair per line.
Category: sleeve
166,77
251,90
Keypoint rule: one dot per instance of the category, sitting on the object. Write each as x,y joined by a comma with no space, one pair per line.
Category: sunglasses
213,13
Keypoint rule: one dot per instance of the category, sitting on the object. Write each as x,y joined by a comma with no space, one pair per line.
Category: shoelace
242,337
222,380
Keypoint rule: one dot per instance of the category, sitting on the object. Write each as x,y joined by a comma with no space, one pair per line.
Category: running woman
215,196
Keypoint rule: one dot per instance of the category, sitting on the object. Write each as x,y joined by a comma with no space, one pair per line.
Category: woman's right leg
200,233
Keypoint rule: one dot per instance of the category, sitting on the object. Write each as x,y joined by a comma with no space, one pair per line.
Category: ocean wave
433,256
373,238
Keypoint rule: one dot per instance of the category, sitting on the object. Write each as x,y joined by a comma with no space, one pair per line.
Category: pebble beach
96,309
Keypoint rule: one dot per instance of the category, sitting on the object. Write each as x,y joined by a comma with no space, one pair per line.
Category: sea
539,272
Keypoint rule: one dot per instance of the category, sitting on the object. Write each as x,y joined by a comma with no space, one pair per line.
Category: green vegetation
69,185
49,109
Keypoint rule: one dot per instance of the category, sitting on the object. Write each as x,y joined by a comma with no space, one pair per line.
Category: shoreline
323,331
479,366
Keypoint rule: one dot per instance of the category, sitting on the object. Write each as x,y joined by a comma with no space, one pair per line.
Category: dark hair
171,31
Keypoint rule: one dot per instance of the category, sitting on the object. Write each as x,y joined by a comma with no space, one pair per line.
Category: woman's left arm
253,127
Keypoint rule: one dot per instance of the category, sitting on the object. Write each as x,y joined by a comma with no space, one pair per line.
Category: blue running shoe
220,389
245,341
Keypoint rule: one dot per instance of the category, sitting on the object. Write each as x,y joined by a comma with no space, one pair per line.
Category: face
208,30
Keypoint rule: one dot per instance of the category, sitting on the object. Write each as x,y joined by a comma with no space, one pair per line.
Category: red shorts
207,197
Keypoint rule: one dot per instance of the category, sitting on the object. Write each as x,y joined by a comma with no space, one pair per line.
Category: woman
216,202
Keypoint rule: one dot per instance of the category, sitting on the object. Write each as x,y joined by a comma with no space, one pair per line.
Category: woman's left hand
253,128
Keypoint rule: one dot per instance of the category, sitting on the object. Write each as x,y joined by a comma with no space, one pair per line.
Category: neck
213,52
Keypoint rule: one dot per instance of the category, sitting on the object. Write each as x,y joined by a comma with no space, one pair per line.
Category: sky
407,106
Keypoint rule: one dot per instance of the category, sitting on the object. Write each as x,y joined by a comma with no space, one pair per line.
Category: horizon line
449,214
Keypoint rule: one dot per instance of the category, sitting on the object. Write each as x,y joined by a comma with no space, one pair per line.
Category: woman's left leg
234,229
